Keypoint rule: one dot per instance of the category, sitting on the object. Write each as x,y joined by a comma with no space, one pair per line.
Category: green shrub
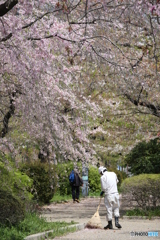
94,179
14,197
144,189
44,180
11,208
12,179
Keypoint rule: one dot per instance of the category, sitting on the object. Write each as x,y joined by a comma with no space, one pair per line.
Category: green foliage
121,123
12,179
144,157
63,171
94,179
31,224
14,195
144,189
12,209
44,180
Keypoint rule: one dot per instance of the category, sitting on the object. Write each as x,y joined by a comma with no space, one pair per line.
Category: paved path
115,234
83,211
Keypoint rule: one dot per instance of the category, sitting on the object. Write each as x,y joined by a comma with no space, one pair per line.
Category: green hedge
144,189
15,198
12,209
44,180
94,180
13,179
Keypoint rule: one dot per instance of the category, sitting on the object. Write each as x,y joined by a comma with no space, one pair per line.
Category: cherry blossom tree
40,79
49,50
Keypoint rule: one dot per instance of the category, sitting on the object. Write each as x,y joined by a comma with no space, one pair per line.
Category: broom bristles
94,222
92,227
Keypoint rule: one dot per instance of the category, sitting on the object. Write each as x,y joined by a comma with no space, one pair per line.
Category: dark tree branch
82,23
154,109
6,37
10,113
90,22
138,61
40,17
50,36
7,6
26,26
140,94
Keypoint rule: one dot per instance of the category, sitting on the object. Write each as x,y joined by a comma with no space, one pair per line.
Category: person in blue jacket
75,185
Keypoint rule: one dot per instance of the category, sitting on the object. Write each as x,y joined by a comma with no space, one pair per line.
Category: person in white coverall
111,199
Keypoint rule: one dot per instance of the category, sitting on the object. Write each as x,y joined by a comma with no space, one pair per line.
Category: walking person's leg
116,210
77,194
108,205
73,193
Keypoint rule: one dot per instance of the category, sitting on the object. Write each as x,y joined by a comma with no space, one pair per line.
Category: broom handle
99,204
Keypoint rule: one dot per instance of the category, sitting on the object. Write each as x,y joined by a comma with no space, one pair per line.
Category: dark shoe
109,226
77,200
117,222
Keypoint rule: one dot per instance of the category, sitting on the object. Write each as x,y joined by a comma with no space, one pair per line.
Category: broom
95,221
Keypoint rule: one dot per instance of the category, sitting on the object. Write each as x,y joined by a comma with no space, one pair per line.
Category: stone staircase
85,209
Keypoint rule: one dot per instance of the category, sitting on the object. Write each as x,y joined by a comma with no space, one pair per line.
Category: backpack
72,177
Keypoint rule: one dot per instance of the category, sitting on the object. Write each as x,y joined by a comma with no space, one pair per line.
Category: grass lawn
33,224
59,198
